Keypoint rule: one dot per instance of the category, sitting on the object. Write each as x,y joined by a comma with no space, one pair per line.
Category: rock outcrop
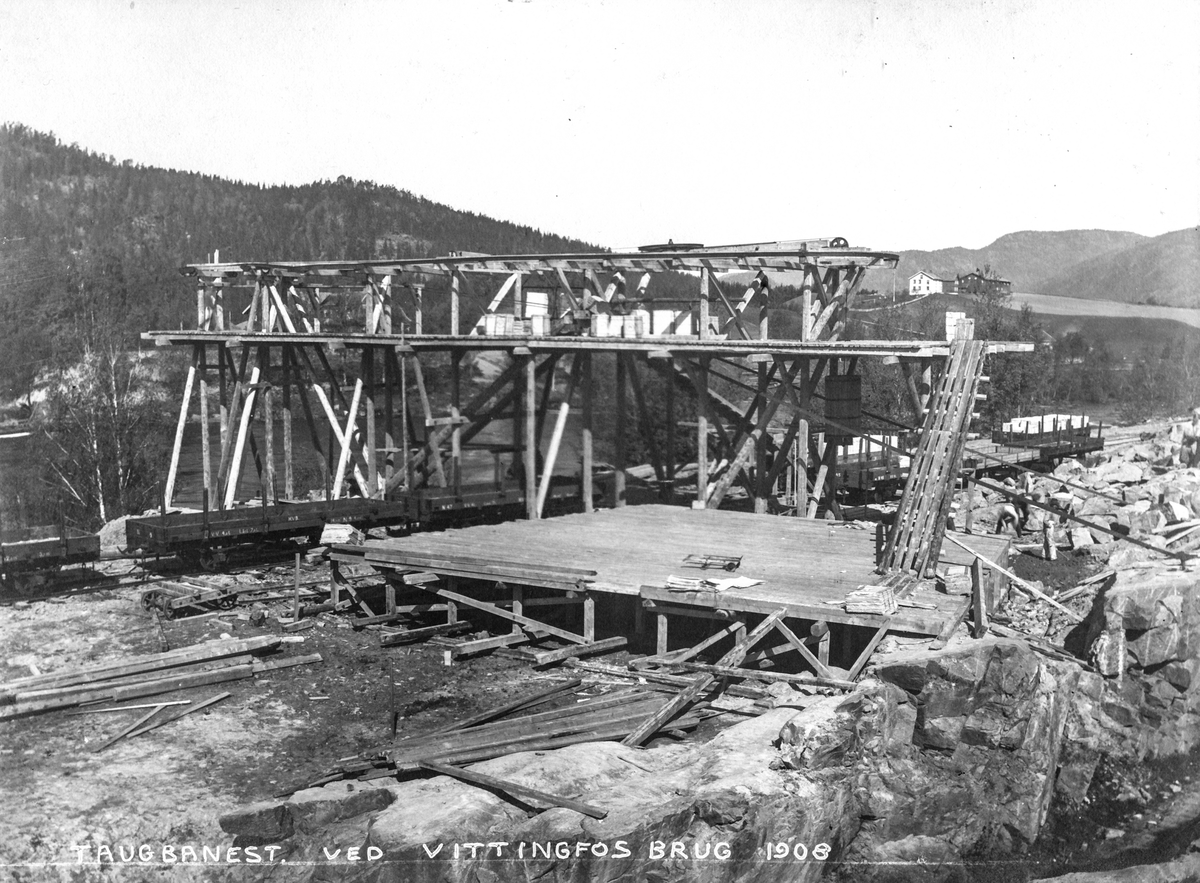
944,755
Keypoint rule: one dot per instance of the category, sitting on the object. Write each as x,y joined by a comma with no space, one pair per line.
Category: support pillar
586,484
622,428
530,439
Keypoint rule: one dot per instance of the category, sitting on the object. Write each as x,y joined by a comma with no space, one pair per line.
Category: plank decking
807,566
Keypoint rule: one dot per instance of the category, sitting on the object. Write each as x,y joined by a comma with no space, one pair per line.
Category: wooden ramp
915,540
806,566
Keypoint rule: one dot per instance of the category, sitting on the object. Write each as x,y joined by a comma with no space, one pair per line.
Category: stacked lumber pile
342,534
500,731
212,662
872,599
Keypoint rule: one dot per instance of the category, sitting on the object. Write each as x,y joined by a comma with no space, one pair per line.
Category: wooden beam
733,658
177,447
492,609
587,486
549,657
513,789
530,440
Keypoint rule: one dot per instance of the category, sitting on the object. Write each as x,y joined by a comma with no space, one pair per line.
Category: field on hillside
1049,305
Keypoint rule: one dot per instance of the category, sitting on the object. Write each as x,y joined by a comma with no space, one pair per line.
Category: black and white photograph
599,441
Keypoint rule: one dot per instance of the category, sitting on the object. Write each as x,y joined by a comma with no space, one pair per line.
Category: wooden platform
806,566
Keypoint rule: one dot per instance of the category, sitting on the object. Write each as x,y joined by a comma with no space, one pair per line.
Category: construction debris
212,662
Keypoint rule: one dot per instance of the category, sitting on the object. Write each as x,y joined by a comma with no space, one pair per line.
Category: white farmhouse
923,283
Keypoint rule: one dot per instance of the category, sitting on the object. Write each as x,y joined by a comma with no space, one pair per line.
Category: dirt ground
276,732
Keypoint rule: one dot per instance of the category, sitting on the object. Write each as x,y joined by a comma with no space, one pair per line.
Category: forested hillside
89,246
1163,271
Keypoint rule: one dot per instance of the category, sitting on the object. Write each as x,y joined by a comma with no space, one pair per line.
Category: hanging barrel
843,404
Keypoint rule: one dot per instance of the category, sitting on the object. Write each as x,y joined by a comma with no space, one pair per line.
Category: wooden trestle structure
378,432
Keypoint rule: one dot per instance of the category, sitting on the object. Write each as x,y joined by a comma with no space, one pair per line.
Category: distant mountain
1163,271
1027,258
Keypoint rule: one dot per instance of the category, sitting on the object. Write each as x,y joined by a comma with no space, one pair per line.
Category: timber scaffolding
407,454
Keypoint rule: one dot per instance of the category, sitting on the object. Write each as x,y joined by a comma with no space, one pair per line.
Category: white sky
895,123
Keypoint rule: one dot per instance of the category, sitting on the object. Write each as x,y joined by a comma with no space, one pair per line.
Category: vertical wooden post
389,417
518,606
760,445
289,480
222,394
702,436
585,446
201,307
452,606
205,444
672,459
660,644
268,397
806,307
530,439
335,589
622,429
703,317
978,600
589,617
405,465
173,469
802,442
820,630
368,368
456,429
454,305
518,298
418,307
296,587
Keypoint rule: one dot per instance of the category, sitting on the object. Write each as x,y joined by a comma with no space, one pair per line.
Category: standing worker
1189,454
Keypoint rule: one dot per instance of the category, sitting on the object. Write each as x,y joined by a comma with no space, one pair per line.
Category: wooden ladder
915,539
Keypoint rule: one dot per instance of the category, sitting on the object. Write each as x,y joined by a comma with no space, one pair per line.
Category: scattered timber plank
401,612
131,707
1041,645
127,680
808,680
607,645
604,733
199,706
689,652
1020,583
509,707
655,677
512,788
481,645
1084,585
131,691
690,693
525,621
448,628
129,729
208,650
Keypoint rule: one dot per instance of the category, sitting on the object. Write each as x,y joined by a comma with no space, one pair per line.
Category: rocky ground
993,759
276,732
